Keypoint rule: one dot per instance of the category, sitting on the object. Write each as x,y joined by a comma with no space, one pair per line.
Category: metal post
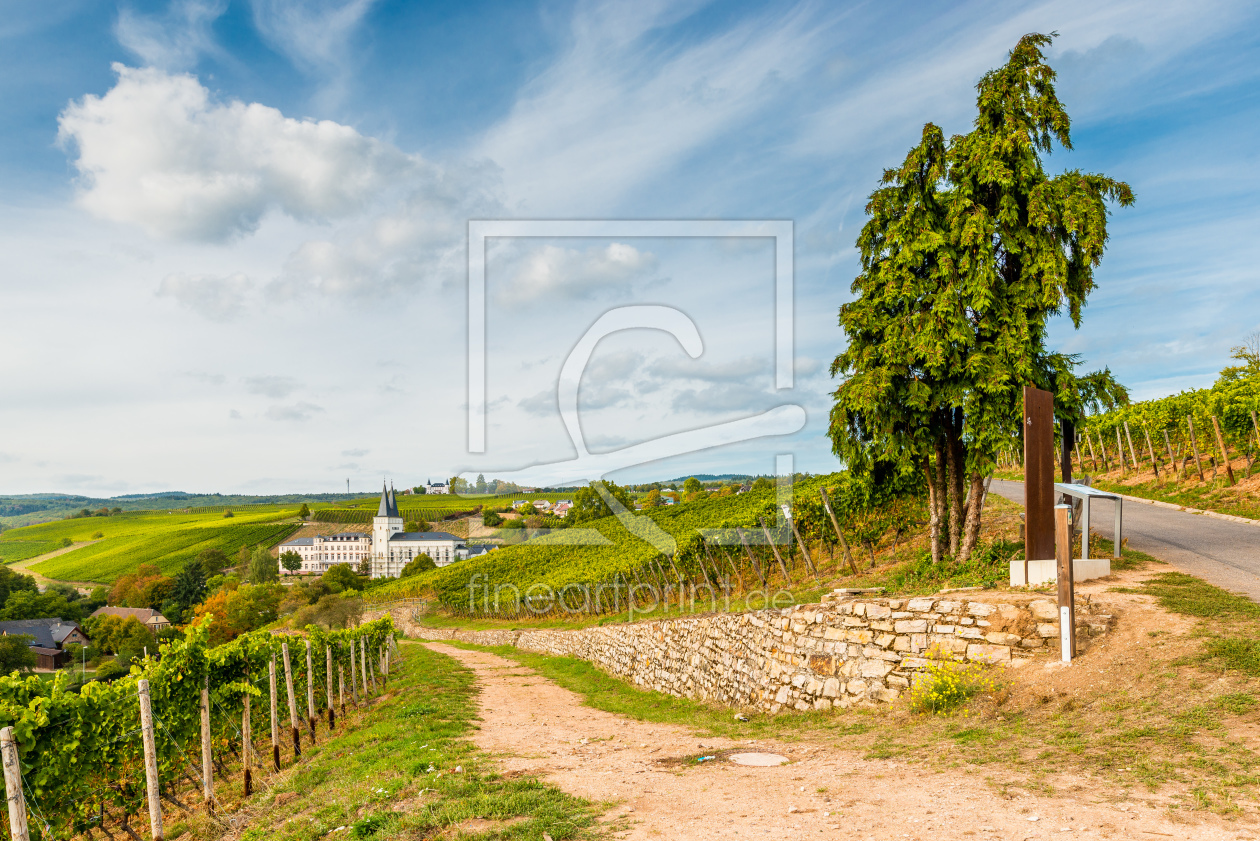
1085,528
150,760
247,746
1063,559
328,664
18,827
207,765
1115,550
275,715
288,687
341,687
310,691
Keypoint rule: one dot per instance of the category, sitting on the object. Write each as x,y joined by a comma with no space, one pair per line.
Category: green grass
1211,495
411,747
20,550
1192,596
161,538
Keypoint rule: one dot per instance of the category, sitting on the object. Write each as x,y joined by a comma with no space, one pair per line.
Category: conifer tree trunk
935,491
971,531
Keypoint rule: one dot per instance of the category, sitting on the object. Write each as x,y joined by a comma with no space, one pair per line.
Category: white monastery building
388,547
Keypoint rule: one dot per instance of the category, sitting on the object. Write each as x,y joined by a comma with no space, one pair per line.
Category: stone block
886,626
856,687
833,634
898,681
913,662
877,668
981,609
802,706
782,696
884,694
944,606
970,633
966,621
894,604
884,640
1002,638
944,629
878,611
984,623
918,642
901,644
911,626
799,680
862,636
822,664
859,609
1031,642
831,688
902,614
854,622
814,686
1046,631
988,653
920,605
1045,610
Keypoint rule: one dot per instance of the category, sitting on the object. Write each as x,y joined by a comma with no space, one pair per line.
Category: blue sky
235,231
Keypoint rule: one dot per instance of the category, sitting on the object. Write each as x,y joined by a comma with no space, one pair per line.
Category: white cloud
296,412
552,272
175,40
274,387
157,151
356,453
313,34
216,298
737,370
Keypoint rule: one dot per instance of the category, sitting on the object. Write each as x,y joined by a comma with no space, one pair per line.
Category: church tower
387,522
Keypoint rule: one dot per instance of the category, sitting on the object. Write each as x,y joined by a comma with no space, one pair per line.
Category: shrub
65,541
97,535
228,514
947,684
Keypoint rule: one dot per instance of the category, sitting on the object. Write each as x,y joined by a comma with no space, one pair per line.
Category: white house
436,487
388,547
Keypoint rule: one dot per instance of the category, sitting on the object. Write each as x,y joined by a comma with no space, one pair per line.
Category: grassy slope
157,537
410,749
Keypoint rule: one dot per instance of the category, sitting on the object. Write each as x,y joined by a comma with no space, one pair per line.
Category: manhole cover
759,759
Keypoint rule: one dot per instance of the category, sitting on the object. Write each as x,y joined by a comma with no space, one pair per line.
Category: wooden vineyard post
1063,563
1120,450
1137,465
1093,459
1172,461
835,524
751,558
247,747
1194,446
332,714
363,667
310,691
288,688
1076,445
774,549
1220,442
809,562
1256,426
341,687
275,714
150,760
371,672
1102,447
386,662
207,764
18,827
1151,450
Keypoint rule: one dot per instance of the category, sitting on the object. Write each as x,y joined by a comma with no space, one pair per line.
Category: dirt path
539,728
24,567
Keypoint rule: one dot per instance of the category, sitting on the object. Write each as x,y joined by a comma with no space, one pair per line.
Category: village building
49,637
148,617
387,548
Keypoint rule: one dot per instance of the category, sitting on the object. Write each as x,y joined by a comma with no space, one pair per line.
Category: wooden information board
1038,474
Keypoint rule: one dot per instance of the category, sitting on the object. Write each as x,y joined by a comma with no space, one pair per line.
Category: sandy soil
538,728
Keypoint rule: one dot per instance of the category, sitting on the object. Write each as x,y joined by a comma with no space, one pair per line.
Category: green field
165,539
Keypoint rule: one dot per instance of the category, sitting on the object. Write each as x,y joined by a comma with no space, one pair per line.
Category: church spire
382,510
393,503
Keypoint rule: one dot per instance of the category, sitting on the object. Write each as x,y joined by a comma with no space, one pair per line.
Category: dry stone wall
838,653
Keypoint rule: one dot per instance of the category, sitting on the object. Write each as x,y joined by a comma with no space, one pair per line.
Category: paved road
1224,553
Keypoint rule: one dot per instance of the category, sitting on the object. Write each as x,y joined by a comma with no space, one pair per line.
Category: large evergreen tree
970,249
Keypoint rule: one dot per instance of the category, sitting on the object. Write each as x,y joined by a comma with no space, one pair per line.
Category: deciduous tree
970,250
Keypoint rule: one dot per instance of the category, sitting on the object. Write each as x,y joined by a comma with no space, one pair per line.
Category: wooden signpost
1063,561
1038,474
